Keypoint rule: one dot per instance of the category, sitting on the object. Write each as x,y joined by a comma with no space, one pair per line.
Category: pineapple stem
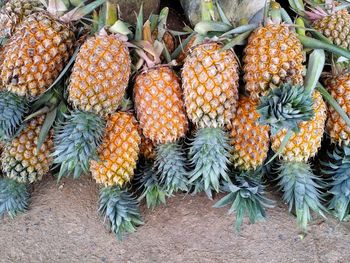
14,197
275,12
300,26
208,10
328,97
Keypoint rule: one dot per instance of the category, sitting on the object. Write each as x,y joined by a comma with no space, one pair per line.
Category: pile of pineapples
84,93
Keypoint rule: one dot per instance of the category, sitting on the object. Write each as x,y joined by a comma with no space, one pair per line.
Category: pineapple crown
246,196
301,191
14,197
120,209
338,168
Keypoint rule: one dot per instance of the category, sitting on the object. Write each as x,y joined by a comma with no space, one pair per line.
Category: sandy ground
63,226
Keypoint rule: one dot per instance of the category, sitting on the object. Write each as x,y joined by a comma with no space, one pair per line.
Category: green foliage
170,165
246,198
76,141
301,191
209,154
338,167
12,111
14,197
150,186
285,107
121,210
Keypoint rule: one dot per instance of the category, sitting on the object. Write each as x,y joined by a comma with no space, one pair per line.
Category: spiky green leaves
301,191
12,111
286,107
76,142
14,197
150,185
338,167
170,165
246,198
209,154
121,210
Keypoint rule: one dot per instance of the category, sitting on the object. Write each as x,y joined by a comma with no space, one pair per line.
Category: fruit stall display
224,106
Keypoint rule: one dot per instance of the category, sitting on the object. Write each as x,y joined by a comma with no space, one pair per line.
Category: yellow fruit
335,27
304,144
36,54
210,83
159,105
20,159
100,75
250,141
339,87
273,55
119,151
13,13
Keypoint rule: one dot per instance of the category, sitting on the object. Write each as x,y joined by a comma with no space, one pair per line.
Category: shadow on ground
63,226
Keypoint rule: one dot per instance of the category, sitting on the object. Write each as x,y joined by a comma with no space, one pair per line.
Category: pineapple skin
159,105
119,151
250,141
13,13
36,55
336,27
304,144
210,84
339,87
273,55
20,159
147,148
100,75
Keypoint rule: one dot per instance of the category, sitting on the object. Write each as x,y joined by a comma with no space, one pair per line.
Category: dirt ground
63,226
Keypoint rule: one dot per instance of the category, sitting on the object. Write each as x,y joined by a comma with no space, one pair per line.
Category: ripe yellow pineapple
210,84
118,152
305,144
273,55
13,12
23,163
159,105
332,24
161,113
339,87
250,140
100,75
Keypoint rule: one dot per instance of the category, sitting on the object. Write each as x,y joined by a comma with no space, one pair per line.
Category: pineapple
305,144
273,55
210,84
338,84
96,89
301,188
13,12
35,56
118,155
334,25
118,152
160,110
250,141
23,163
